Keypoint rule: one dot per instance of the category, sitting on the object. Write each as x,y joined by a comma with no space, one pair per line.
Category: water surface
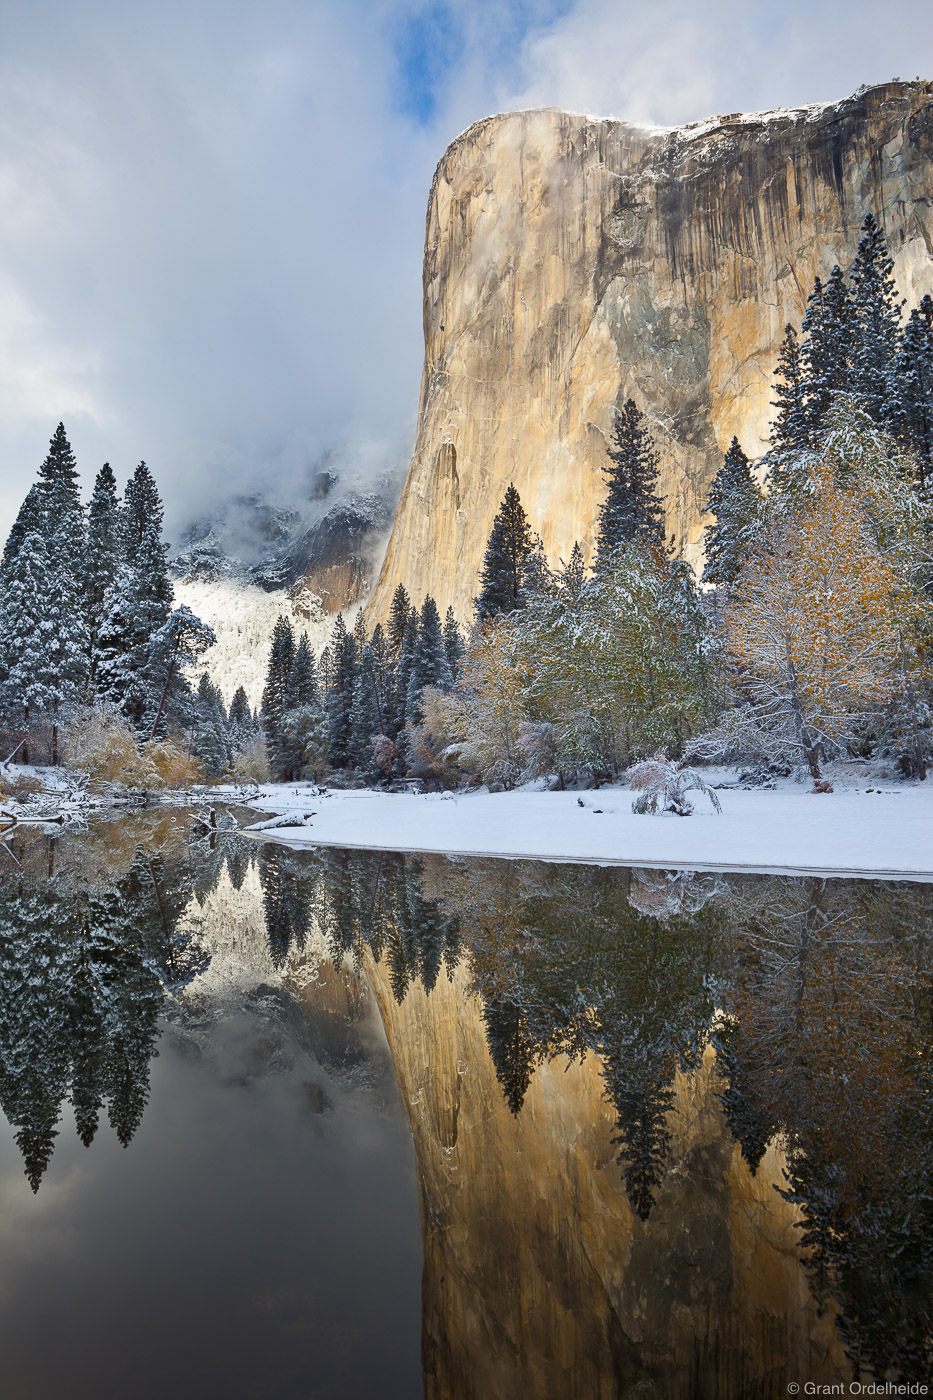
327,1122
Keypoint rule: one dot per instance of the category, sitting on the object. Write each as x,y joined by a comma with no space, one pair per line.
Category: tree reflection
85,966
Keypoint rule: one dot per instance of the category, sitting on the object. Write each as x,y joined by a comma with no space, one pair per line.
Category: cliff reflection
797,1012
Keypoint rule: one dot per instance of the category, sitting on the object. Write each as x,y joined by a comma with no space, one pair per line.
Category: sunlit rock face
572,263
540,1282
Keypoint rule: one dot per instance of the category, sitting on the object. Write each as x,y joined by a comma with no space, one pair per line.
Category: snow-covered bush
101,742
663,784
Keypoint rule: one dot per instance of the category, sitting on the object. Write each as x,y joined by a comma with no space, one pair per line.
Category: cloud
212,214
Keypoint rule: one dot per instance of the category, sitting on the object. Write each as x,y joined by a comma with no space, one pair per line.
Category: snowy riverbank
870,829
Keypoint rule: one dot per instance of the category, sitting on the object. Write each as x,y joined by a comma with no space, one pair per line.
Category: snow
243,616
876,831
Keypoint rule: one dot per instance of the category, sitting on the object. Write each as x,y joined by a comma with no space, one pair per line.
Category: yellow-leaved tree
813,624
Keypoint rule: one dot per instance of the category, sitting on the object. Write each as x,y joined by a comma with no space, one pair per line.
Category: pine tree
302,683
275,693
339,699
402,678
790,430
827,349
399,614
137,605
64,513
733,499
365,722
453,643
103,547
242,726
632,510
876,316
511,1050
210,736
502,575
31,519
429,666
911,415
42,637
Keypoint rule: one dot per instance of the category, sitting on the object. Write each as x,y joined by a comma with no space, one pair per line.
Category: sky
212,211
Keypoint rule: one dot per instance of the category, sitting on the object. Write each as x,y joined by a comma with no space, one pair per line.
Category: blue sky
212,213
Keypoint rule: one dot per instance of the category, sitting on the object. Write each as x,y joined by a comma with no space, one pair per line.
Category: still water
328,1123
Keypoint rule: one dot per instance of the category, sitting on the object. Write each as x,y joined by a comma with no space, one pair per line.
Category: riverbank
877,829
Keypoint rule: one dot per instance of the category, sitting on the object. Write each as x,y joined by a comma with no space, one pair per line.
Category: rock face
538,1280
572,263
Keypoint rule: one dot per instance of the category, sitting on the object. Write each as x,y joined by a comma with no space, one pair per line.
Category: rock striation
571,263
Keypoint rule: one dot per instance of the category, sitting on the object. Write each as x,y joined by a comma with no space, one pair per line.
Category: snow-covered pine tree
790,429
242,725
210,729
42,637
302,683
275,693
399,613
178,643
339,699
502,575
138,603
429,666
403,676
911,417
876,316
632,509
827,348
102,557
366,721
453,643
31,519
734,500
27,679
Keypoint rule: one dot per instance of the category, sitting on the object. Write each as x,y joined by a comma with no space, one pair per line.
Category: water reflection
668,1125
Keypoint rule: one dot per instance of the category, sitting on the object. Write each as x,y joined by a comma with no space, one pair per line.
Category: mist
212,215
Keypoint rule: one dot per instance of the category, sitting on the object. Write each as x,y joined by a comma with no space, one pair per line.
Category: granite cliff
571,263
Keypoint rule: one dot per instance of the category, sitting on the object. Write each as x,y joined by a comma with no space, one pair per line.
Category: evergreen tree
399,614
911,415
453,643
826,352
103,547
31,519
302,684
42,636
632,510
790,430
137,605
511,1049
210,730
876,315
429,666
339,700
403,676
64,513
276,693
241,725
734,500
365,719
503,571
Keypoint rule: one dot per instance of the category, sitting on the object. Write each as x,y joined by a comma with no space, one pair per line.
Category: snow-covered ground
875,828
